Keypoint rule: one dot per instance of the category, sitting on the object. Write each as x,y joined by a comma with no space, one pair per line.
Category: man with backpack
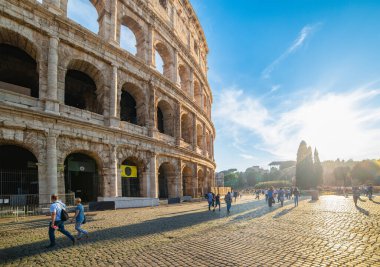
58,217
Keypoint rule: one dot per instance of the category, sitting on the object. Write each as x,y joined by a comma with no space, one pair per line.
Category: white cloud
340,125
297,43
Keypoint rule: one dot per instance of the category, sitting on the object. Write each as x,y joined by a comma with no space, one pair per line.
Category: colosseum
79,113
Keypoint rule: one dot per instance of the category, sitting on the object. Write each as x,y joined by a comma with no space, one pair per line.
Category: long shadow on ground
150,227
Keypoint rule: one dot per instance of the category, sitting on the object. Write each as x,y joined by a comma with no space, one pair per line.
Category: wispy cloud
343,125
303,35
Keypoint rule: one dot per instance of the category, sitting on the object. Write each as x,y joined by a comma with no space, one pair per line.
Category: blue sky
284,71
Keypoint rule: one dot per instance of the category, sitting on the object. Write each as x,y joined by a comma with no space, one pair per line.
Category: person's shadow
361,210
373,201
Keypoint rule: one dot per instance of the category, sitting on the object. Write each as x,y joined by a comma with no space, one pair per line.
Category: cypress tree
318,169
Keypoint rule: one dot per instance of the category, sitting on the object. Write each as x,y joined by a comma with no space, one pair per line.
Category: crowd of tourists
271,195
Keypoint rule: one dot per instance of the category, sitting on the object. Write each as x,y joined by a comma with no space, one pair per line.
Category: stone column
194,132
113,23
113,177
151,110
175,74
195,181
177,123
150,52
51,163
153,176
54,6
51,103
202,98
191,84
204,146
114,118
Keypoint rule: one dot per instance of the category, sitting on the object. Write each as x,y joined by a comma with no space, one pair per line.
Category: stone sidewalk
328,232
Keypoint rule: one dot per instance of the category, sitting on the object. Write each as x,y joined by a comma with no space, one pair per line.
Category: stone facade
172,134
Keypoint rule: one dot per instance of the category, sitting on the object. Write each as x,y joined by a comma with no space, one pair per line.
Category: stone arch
19,63
165,118
188,188
167,180
201,182
208,143
132,104
197,93
199,135
164,52
184,78
132,186
84,86
138,32
186,128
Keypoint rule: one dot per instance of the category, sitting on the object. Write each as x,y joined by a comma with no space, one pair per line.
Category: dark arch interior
80,91
20,69
163,182
18,171
81,177
128,110
130,186
160,121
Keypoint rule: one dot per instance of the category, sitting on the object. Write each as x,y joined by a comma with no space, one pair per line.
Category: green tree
342,175
304,167
365,171
318,169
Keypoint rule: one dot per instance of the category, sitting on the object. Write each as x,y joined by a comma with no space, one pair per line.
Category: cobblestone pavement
328,232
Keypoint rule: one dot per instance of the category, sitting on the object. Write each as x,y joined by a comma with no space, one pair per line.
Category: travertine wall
52,130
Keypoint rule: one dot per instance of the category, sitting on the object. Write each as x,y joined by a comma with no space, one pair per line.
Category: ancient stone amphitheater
75,106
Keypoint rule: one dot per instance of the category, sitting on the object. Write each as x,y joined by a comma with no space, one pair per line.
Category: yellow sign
128,171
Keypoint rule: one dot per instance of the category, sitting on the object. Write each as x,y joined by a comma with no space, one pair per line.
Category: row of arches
82,90
82,175
132,35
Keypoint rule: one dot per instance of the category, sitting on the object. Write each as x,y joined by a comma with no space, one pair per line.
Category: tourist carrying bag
64,215
84,219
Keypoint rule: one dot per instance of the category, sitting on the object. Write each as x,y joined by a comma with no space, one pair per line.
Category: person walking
266,195
217,202
271,196
209,200
296,194
355,194
257,194
228,200
56,222
79,219
281,196
370,192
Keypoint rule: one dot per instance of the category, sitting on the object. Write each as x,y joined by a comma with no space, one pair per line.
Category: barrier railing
28,205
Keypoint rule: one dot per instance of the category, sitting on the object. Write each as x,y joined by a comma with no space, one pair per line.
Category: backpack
64,215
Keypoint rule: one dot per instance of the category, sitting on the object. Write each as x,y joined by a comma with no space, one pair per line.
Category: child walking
79,219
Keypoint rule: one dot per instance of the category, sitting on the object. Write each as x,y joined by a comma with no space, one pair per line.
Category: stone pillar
151,110
146,183
64,7
153,176
212,147
191,84
113,171
204,146
150,51
51,163
177,123
114,118
54,6
112,38
194,132
202,98
195,181
175,74
51,103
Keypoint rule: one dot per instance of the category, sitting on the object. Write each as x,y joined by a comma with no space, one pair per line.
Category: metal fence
29,204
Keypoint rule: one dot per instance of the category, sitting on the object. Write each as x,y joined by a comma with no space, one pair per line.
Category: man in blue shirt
56,222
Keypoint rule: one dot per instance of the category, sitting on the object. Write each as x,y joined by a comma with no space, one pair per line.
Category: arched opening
205,101
184,78
18,71
132,105
186,128
80,91
166,181
187,183
199,136
208,143
18,171
163,52
132,37
197,93
130,180
165,123
201,183
81,177
84,13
